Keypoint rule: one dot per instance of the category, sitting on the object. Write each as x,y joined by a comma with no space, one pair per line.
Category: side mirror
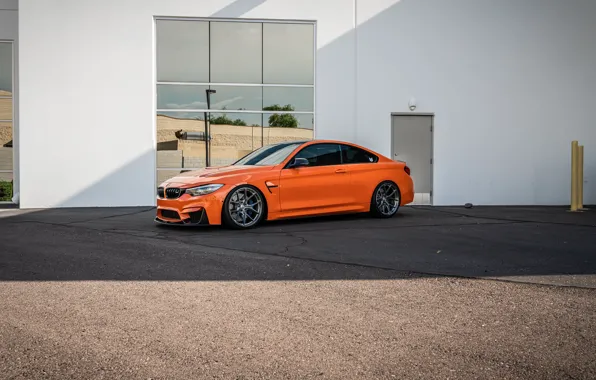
298,162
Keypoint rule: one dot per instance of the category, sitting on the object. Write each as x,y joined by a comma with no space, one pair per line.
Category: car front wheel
243,208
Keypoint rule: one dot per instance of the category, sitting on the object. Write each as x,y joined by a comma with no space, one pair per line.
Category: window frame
340,145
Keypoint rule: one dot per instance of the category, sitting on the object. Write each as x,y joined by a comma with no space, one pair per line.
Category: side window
321,154
353,155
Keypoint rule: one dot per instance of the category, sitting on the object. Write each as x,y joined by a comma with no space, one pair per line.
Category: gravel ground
423,328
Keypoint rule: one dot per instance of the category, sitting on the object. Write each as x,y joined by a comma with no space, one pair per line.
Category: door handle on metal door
340,171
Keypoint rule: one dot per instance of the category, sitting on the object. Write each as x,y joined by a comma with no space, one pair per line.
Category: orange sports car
287,180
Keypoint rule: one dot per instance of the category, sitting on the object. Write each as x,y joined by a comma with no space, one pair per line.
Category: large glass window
182,51
236,52
288,53
6,122
261,78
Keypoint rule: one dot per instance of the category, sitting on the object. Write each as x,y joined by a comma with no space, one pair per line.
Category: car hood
209,175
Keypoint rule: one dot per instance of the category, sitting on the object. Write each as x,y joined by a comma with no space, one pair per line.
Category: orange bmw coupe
287,180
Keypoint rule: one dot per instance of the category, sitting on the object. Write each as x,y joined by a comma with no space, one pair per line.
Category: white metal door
412,143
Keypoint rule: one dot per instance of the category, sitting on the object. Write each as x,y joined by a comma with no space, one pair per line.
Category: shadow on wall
238,8
109,192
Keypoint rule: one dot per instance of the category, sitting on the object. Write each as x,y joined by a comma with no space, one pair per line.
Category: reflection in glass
6,175
236,52
6,186
6,153
269,154
288,53
165,174
237,98
182,51
287,127
288,99
180,140
181,97
5,69
5,108
285,120
5,138
234,135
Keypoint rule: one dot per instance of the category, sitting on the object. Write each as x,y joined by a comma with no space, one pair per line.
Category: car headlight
203,190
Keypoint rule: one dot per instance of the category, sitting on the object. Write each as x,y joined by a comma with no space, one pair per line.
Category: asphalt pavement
539,245
486,292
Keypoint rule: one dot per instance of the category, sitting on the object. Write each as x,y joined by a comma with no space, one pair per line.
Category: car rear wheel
385,200
243,208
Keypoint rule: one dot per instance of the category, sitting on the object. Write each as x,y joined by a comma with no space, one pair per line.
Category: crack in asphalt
256,233
429,209
498,220
110,216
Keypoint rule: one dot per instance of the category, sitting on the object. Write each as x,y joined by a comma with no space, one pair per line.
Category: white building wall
511,84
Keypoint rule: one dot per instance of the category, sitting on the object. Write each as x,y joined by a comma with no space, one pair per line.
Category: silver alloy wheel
387,199
245,207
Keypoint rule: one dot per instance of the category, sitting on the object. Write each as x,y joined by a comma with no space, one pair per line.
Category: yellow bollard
580,177
574,176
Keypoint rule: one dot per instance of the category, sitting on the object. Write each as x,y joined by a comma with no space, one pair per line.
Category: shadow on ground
544,245
541,245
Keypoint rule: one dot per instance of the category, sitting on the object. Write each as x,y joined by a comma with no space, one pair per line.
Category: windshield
269,155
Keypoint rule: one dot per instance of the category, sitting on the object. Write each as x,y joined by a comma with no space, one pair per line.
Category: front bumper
195,218
190,211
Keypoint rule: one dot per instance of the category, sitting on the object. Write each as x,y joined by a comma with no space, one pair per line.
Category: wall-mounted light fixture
412,104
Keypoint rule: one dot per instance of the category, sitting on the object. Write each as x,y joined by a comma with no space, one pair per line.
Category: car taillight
407,169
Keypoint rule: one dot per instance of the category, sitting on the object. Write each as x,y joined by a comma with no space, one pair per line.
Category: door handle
340,171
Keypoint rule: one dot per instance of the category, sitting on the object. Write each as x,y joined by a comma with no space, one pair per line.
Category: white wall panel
511,83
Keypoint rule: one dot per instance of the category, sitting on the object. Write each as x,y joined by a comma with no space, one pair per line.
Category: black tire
378,211
226,214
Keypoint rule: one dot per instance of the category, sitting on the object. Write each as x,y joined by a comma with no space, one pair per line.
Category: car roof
312,141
